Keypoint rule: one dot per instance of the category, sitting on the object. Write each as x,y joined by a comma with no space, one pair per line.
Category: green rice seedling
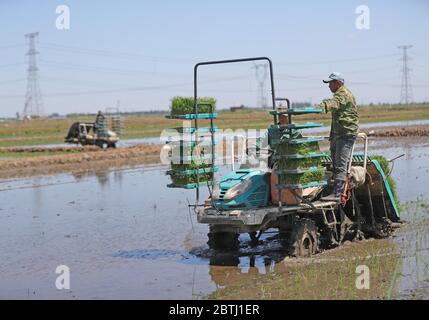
302,178
292,164
185,105
303,149
185,153
181,180
189,166
179,176
384,163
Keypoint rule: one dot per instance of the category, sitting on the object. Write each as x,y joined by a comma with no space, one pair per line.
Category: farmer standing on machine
99,125
344,129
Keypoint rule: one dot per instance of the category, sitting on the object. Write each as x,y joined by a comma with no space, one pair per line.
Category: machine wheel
254,239
223,240
383,229
304,239
101,144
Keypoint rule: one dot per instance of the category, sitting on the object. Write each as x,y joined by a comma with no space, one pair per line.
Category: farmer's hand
321,106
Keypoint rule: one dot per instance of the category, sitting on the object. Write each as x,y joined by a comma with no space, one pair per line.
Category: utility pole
261,73
33,98
406,88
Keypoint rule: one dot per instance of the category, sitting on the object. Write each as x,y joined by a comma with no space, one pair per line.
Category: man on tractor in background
344,129
100,124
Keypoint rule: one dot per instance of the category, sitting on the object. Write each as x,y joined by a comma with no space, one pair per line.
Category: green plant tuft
302,178
384,163
291,164
303,149
180,179
185,105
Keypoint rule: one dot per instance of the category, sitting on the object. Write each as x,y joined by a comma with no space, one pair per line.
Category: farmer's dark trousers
341,149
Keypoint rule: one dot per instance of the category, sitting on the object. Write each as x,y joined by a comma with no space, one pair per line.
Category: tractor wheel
223,240
383,229
99,144
304,239
254,239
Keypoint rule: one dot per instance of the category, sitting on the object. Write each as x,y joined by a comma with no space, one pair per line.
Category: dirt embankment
412,131
75,159
87,159
46,150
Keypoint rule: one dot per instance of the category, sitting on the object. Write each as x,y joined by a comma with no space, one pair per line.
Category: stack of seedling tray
298,160
192,155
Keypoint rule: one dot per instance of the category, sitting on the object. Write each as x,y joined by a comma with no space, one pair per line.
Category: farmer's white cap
334,76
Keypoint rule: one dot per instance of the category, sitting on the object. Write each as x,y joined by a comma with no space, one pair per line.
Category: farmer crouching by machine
283,121
262,142
344,129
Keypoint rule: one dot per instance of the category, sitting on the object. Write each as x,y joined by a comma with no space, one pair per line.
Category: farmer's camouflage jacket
345,119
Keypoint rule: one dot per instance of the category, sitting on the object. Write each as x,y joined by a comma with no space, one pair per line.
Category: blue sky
142,52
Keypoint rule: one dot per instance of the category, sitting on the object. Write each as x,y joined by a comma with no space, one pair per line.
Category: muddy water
157,140
396,124
123,234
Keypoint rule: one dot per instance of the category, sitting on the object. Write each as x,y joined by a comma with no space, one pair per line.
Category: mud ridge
91,159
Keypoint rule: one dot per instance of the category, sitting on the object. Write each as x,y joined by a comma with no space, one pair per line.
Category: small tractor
253,200
104,135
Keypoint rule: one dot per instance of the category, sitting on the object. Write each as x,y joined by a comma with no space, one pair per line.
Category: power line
318,77
11,65
60,65
340,60
139,56
406,88
261,73
12,46
33,98
11,81
81,82
112,54
423,58
130,89
178,85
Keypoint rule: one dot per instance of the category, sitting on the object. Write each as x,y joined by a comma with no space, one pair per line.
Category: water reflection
230,268
103,177
143,229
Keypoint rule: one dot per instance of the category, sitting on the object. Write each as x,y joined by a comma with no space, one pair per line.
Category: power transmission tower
261,73
406,88
33,98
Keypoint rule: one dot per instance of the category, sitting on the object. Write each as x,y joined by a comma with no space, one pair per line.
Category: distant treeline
245,109
131,113
250,109
396,105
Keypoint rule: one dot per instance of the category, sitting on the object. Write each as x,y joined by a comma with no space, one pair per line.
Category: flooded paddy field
124,234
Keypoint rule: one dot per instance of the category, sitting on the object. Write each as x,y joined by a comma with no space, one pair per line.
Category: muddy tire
383,229
304,239
226,241
99,144
84,142
254,239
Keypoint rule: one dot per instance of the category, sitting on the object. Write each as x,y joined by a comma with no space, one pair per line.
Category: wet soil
89,158
124,234
412,131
